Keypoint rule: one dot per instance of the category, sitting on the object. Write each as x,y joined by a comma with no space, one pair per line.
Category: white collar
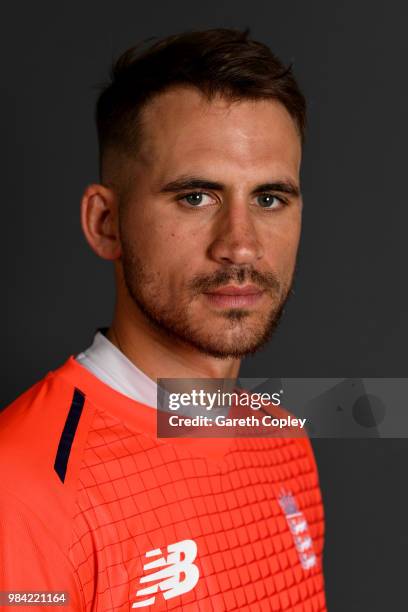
111,366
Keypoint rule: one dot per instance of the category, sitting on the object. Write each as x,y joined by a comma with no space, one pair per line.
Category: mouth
233,296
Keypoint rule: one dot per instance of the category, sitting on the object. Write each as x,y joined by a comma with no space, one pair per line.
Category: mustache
239,275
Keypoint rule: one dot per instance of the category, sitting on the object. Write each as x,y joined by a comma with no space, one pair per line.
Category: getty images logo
179,562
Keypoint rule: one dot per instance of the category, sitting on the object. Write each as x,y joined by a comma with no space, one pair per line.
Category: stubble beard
243,331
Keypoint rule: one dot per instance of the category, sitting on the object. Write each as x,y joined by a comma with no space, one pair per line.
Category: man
199,208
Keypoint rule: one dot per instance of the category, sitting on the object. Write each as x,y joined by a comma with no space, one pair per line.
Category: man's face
211,224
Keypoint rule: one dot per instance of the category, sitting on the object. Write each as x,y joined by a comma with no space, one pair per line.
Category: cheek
151,237
174,241
170,252
281,246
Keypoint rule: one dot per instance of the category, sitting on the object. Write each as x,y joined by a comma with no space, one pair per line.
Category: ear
100,221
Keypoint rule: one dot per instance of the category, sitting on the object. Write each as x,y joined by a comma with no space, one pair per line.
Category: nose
236,240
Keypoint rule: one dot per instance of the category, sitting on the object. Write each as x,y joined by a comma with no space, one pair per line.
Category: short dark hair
219,61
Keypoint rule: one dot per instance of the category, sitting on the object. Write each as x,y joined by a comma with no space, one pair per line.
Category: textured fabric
237,524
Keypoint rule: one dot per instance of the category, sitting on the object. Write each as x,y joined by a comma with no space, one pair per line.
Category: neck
160,356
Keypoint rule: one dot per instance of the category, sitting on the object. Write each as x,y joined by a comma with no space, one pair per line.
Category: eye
196,199
270,201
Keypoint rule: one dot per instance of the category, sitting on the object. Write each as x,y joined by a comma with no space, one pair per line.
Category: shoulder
282,423
32,423
42,435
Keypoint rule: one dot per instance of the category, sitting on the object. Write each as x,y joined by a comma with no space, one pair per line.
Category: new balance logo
177,573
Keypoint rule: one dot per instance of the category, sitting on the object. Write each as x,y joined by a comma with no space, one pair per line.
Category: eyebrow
194,182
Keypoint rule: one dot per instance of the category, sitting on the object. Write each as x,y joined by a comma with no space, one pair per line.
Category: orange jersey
95,505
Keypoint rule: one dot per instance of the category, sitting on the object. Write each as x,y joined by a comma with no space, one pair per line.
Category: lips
235,290
233,296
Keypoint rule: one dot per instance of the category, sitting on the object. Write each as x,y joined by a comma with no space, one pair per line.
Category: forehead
181,126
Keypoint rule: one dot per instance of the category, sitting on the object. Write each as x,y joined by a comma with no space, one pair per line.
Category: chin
236,346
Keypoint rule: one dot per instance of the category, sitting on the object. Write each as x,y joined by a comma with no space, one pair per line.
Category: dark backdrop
347,317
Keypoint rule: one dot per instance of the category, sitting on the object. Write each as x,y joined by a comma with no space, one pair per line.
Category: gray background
347,317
